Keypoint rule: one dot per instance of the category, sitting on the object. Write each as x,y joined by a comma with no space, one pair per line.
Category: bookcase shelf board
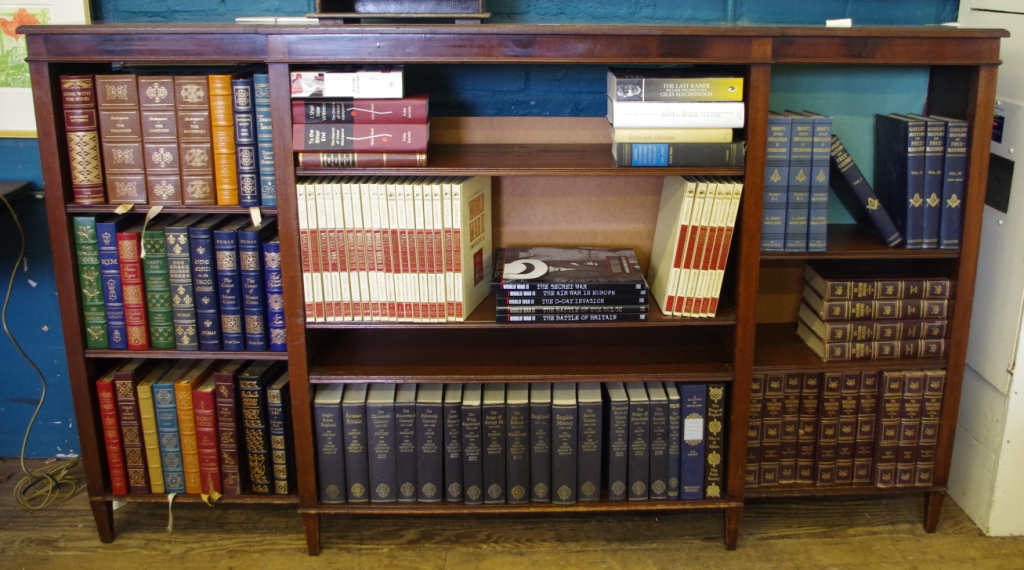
799,491
144,208
285,500
176,354
602,506
847,241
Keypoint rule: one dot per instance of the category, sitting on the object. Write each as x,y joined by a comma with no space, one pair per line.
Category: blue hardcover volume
776,180
934,157
110,274
899,173
166,411
954,168
691,471
330,459
265,140
179,269
798,191
275,294
245,142
817,218
857,196
254,300
674,439
225,246
204,281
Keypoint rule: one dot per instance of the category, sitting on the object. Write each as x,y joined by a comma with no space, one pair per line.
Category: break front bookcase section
731,347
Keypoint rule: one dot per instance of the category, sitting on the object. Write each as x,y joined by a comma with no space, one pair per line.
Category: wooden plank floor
840,534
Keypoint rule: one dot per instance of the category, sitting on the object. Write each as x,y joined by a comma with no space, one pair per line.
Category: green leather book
94,312
157,279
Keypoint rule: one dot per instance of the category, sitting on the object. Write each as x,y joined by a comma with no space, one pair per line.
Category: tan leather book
195,142
117,98
160,139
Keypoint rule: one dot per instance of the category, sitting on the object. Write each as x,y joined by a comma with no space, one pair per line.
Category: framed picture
17,116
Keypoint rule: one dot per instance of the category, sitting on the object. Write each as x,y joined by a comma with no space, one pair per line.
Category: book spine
121,138
693,458
676,114
405,458
934,155
771,428
171,456
817,220
132,290
150,438
225,245
275,296
679,154
752,475
204,283
160,139
590,417
247,161
110,284
637,88
954,176
158,289
453,476
257,437
848,170
692,301
638,467
183,302
675,447
887,429
696,236
899,172
849,401
305,251
254,298
195,140
361,138
112,437
710,309
576,317
360,159
222,131
659,475
565,434
714,472
828,429
429,450
540,452
617,449
776,180
472,454
807,437
94,313
384,83
81,122
517,453
437,236
864,449
330,459
205,412
798,192
189,442
910,427
411,110
265,140
280,428
357,472
233,477
494,453
381,450
131,435
931,414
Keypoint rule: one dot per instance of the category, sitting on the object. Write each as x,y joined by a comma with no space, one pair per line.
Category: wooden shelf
797,491
290,500
777,348
144,208
847,241
483,318
196,354
516,354
602,506
521,160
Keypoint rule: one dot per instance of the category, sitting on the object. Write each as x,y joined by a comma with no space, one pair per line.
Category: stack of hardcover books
851,314
568,285
357,117
675,117
519,443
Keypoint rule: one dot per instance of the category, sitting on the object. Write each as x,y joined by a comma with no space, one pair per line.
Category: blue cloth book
934,175
275,294
691,471
110,274
798,188
229,283
204,280
265,141
817,218
954,169
857,196
776,181
245,141
254,299
899,173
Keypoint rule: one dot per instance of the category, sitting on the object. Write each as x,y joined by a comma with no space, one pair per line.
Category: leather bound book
361,138
405,442
330,459
204,280
195,142
867,406
659,474
275,294
887,428
110,275
453,480
179,272
675,426
204,408
517,443
564,439
788,438
111,434
169,427
380,416
222,131
848,404
472,443
357,472
117,99
94,313
150,434
183,388
752,476
160,139
429,443
954,167
81,122
264,140
590,441
281,451
252,385
857,196
127,378
807,437
828,428
129,243
233,477
771,428
638,466
617,438
910,427
714,450
254,298
158,283
225,245
931,414
900,173
934,175
247,161
494,443
360,159
540,442
409,110
691,471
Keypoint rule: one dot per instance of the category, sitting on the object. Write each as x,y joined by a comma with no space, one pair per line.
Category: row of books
844,428
161,139
519,443
179,427
795,211
561,285
394,249
196,282
358,117
675,117
696,219
860,315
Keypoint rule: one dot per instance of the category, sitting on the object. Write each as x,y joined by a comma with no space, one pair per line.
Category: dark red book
129,251
204,410
408,111
112,434
81,122
378,138
126,379
233,478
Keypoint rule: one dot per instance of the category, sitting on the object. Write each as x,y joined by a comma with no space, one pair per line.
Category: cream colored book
394,255
413,278
706,236
629,135
673,211
352,249
421,250
304,250
331,269
472,239
342,310
323,241
360,213
368,195
449,275
719,215
723,256
402,274
315,251
693,229
437,235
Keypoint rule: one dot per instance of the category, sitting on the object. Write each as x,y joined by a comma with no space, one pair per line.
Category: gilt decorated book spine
265,140
121,138
128,243
246,156
160,139
234,478
81,123
281,451
195,142
222,131
714,445
110,276
94,312
158,286
111,435
179,272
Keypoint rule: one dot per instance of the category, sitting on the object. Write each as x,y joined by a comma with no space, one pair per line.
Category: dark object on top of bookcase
353,11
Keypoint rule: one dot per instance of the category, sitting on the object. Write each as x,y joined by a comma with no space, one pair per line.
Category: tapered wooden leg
932,510
732,526
311,524
103,512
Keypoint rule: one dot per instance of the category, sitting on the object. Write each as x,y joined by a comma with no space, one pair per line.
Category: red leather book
121,136
233,478
112,434
360,159
204,409
126,379
409,110
372,138
129,251
81,122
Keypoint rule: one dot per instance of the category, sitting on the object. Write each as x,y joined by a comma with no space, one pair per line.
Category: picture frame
17,114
